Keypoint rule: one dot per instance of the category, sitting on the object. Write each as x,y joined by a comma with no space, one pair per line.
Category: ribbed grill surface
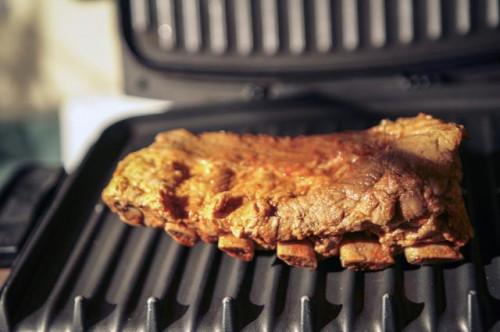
96,273
245,27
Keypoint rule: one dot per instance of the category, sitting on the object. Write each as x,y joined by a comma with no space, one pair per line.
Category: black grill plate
86,270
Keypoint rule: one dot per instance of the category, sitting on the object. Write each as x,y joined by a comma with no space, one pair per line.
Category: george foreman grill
281,67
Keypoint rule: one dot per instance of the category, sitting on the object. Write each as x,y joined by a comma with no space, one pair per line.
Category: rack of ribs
363,195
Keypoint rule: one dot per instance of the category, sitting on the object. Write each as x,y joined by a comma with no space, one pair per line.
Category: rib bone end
432,253
364,253
297,253
181,234
237,247
128,214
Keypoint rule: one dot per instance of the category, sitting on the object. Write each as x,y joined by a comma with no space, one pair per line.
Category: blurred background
59,60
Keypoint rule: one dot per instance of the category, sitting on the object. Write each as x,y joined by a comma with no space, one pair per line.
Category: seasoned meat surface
396,185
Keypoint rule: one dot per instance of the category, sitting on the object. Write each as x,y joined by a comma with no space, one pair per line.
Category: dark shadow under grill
84,269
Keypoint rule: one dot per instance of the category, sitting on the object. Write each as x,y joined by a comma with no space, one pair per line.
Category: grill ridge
388,319
79,303
152,314
474,321
227,314
167,25
388,305
306,321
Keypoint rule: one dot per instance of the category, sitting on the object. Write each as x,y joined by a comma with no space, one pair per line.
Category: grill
22,201
284,36
270,26
85,270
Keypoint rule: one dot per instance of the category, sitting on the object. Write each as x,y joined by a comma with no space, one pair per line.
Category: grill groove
264,290
349,299
199,268
127,276
431,311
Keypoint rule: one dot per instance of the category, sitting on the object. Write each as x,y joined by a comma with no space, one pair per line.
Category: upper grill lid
277,38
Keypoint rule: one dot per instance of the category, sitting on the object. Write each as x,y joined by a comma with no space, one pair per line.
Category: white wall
55,50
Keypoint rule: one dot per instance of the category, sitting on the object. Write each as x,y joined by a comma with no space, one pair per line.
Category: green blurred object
35,139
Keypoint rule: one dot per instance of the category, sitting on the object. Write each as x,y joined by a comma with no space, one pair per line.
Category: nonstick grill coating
86,270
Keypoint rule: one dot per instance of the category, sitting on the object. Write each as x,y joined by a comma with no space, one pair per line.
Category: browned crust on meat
398,181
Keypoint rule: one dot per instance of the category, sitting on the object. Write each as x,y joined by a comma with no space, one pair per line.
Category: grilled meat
365,195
